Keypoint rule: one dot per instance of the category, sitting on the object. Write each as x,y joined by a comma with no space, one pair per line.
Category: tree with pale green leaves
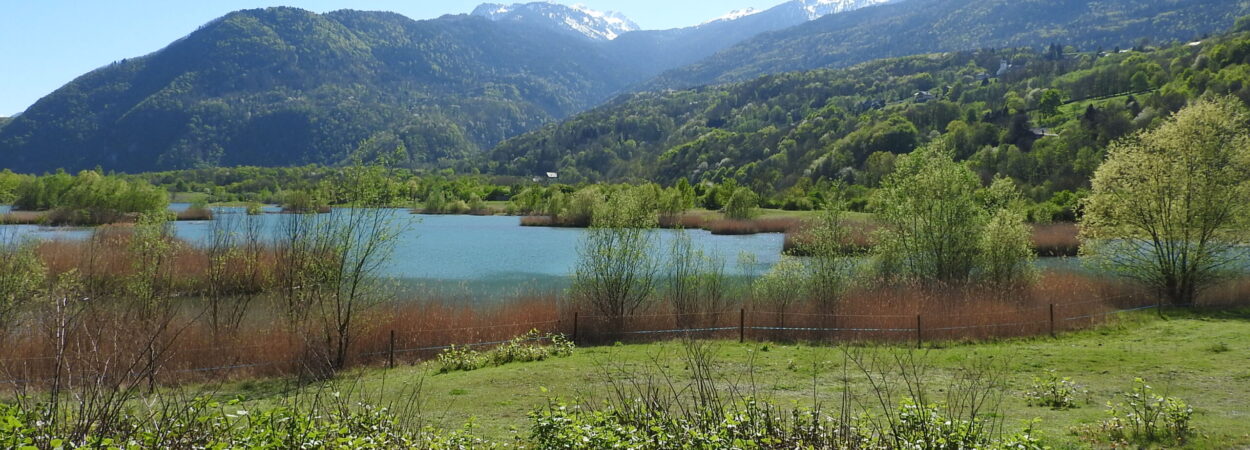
1170,207
743,204
22,275
939,225
617,270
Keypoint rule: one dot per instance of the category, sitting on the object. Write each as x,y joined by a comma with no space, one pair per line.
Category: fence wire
742,327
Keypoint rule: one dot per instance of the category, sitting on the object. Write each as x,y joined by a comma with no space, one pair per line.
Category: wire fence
280,358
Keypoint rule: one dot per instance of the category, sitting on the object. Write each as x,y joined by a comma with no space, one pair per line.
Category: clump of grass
1218,347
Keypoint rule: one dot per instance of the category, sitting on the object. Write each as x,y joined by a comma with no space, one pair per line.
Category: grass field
1200,357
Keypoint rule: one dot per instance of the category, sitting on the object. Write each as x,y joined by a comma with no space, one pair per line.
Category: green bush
460,358
205,423
1053,392
524,348
1144,417
742,204
88,198
756,425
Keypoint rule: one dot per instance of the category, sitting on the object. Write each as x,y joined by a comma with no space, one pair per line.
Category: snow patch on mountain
819,8
734,15
595,25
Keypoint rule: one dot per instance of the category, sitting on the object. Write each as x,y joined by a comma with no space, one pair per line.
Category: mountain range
923,26
284,86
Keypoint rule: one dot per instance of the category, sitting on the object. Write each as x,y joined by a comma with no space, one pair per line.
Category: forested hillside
926,26
655,51
1045,122
284,86
288,87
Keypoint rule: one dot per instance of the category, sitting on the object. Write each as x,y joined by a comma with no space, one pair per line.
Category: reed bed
108,339
104,344
194,214
538,221
753,226
105,263
858,239
1056,239
24,218
892,313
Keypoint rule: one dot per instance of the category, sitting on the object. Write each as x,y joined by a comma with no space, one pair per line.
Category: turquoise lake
484,256
472,254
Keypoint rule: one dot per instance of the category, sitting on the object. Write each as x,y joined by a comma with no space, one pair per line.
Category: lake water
482,256
472,254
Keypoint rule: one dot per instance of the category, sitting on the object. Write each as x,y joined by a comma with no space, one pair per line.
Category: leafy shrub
1144,417
460,358
927,426
644,425
204,423
1053,392
528,347
524,348
742,204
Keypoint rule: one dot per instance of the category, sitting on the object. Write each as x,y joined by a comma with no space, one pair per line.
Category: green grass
1203,358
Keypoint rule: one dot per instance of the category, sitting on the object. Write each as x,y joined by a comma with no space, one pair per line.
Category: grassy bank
1201,357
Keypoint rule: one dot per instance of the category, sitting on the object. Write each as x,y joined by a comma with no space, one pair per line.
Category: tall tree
1169,207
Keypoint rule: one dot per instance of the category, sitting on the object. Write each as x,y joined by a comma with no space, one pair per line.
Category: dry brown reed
685,221
24,218
1056,239
264,346
1231,293
537,221
66,217
858,239
190,214
881,313
753,226
105,263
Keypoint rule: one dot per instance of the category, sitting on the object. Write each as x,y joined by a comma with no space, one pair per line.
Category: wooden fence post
390,352
742,325
919,338
1052,320
574,327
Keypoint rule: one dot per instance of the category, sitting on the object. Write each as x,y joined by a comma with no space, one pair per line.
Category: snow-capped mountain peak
816,9
576,19
734,15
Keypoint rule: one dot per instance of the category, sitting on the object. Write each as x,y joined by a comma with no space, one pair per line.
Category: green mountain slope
284,86
926,26
781,131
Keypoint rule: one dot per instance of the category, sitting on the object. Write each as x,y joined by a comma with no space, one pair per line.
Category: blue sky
46,43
